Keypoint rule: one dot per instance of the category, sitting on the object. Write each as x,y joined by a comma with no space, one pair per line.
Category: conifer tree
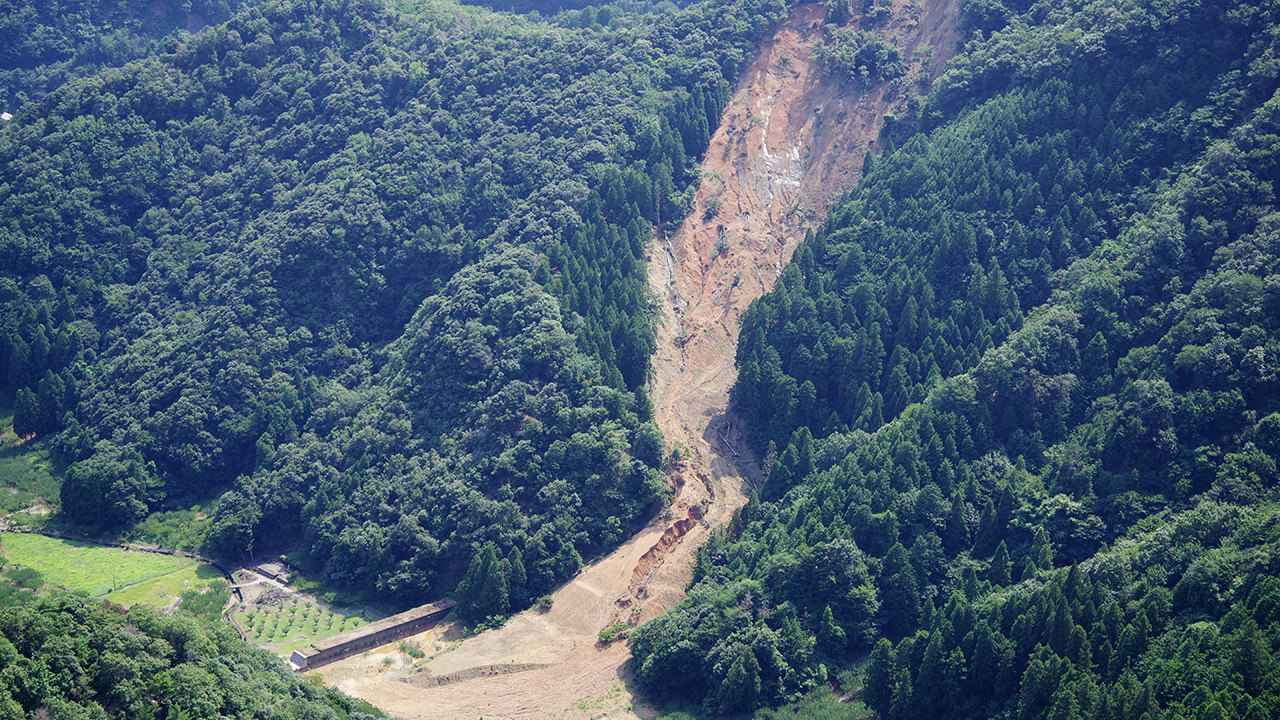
1250,658
495,594
1074,589
971,587
782,476
26,413
740,691
1006,506
16,377
984,541
900,593
518,581
903,705
803,440
469,588
1029,570
999,572
1065,706
986,659
1095,365
929,688
1042,549
1078,649
878,687
956,536
1060,625
1038,684
954,681
831,637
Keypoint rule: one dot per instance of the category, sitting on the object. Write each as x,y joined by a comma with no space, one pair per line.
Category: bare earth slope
791,142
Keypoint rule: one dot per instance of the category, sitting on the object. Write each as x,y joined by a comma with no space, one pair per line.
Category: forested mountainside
581,12
379,275
373,278
1018,395
43,44
68,658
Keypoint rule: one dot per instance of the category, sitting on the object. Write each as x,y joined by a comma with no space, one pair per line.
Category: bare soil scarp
791,142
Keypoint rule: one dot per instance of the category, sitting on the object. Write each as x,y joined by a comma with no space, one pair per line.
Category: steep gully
790,143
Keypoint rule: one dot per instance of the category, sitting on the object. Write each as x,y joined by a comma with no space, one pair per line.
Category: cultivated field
122,576
293,623
165,589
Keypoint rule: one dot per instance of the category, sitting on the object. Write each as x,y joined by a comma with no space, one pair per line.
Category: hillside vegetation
374,277
1019,396
43,44
64,657
368,282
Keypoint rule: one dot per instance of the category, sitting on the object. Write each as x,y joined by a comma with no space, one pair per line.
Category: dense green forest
581,12
69,658
44,44
373,276
1018,396
367,281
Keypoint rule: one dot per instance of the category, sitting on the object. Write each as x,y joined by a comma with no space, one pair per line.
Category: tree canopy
1003,381
66,657
373,276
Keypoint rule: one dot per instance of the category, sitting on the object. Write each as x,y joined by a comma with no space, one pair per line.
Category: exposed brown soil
653,557
424,677
791,142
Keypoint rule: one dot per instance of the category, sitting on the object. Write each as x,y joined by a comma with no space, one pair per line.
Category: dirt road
791,142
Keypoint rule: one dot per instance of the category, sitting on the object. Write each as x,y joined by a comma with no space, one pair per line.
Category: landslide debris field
791,142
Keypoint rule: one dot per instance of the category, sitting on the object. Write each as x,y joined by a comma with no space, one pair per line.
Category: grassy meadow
122,576
25,477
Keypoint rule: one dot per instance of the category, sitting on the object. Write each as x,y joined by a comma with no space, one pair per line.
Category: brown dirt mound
425,678
791,141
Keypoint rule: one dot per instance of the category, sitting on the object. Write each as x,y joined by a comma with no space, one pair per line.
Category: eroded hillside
791,142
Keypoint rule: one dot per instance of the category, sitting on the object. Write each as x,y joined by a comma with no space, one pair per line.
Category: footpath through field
791,142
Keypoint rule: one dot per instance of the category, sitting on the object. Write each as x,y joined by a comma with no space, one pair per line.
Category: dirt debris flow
790,143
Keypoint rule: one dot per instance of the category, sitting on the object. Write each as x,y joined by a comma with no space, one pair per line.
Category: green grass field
126,577
294,624
166,588
25,478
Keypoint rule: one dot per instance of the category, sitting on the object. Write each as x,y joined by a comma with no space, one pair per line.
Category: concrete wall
308,658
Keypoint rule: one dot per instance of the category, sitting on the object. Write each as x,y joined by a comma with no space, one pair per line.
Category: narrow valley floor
791,142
